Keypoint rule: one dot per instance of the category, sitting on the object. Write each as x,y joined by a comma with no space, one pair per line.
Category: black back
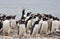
1,25
27,21
37,22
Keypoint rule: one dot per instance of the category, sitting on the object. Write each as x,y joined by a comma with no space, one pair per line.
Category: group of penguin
32,23
38,23
5,20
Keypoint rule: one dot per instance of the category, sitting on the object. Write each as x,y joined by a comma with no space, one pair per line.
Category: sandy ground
14,35
8,37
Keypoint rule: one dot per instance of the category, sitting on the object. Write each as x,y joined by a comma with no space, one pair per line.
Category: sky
15,7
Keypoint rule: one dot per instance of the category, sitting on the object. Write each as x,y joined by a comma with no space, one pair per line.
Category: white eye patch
24,15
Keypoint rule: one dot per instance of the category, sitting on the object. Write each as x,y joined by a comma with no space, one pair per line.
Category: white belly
44,27
36,29
55,25
13,23
6,26
21,29
29,24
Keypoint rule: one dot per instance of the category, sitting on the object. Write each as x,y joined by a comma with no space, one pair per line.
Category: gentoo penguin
36,26
28,23
6,26
13,22
50,19
44,26
35,21
22,29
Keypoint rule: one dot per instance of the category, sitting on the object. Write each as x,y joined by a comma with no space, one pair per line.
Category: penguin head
8,17
28,14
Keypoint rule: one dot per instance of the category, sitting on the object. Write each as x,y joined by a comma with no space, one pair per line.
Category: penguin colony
32,24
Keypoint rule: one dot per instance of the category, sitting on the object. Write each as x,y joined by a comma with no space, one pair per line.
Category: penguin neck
27,18
41,18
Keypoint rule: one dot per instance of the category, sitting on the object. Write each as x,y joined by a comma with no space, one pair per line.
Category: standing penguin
13,22
22,29
35,19
44,27
28,24
49,24
36,26
6,26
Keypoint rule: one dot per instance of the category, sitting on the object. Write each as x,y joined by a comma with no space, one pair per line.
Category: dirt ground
8,37
14,35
